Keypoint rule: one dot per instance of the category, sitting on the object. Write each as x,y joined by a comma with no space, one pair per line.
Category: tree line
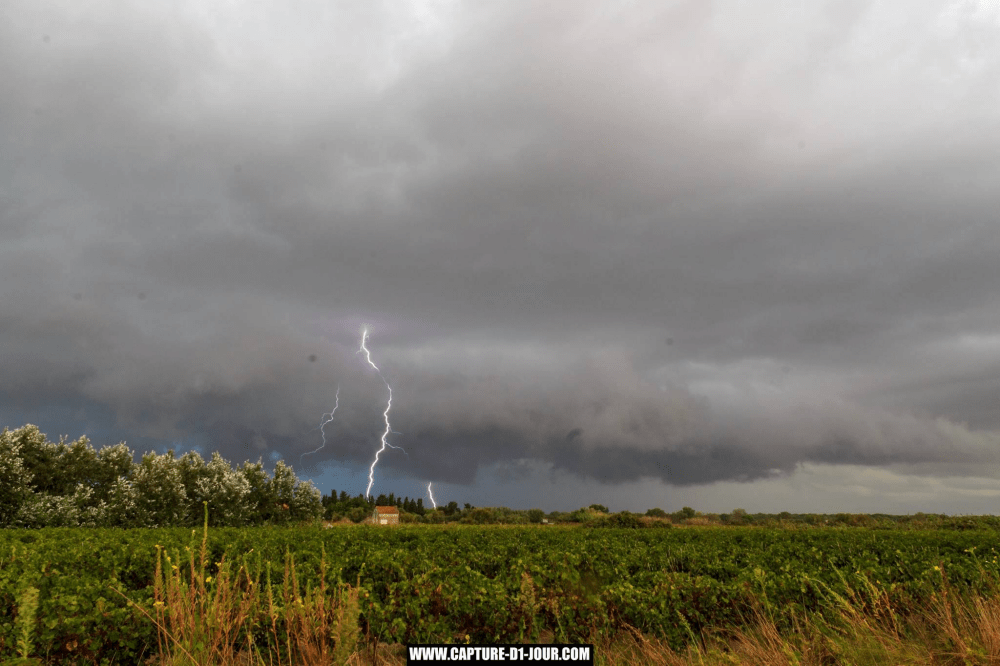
65,484
62,484
343,507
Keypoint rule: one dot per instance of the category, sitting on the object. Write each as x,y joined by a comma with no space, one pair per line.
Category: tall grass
27,609
863,628
237,617
234,618
201,625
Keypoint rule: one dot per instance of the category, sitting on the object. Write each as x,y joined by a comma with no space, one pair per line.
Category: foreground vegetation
280,595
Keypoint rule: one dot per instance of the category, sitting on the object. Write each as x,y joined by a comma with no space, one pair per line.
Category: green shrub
623,520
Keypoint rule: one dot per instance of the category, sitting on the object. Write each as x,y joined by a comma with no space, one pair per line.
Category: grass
866,629
201,624
238,618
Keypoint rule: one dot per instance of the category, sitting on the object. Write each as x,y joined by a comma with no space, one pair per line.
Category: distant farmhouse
385,515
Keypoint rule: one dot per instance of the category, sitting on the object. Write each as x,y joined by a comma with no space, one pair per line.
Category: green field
485,584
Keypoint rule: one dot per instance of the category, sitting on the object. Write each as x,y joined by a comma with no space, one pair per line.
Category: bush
581,516
480,517
618,520
41,510
684,514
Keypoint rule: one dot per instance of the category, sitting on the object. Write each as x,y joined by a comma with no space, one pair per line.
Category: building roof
387,509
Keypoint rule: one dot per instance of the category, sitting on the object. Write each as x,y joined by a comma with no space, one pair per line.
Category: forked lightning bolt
326,419
388,406
431,496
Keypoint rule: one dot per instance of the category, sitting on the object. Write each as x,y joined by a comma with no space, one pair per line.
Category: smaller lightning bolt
431,495
368,354
326,419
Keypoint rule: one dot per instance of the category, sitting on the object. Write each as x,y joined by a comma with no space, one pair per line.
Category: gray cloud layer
685,241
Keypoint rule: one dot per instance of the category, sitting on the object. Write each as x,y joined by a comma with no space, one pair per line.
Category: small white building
385,515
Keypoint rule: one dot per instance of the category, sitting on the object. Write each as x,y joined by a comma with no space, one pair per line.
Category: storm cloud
684,243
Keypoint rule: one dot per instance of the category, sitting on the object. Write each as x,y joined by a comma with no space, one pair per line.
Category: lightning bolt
322,424
431,495
388,406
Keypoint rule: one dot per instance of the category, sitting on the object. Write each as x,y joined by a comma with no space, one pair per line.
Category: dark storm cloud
683,241
601,420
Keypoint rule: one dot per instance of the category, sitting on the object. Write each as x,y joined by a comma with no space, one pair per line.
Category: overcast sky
716,254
